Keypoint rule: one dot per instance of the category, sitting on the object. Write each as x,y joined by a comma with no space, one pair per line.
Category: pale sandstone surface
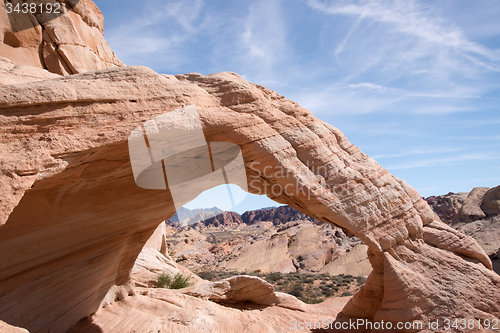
172,311
355,262
66,44
157,239
74,220
14,74
6,328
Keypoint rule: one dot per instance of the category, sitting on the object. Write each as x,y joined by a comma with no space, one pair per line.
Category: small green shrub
327,292
297,290
179,281
163,280
275,276
347,293
311,300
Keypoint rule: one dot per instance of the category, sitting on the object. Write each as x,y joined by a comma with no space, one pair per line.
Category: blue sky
414,84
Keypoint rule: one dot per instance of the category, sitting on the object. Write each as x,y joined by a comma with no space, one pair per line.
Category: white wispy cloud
415,19
482,138
397,91
412,152
340,47
158,34
264,37
445,161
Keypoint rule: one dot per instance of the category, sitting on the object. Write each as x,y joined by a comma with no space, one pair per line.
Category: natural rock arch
74,219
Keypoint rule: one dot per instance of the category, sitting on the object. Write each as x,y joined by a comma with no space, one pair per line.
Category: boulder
447,206
237,291
471,209
491,201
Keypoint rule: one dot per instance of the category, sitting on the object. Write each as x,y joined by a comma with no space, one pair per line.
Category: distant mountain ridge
185,216
216,217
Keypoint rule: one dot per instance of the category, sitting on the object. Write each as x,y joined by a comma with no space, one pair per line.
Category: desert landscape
84,248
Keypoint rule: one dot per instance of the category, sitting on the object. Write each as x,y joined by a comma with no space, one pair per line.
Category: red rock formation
278,215
74,221
224,218
63,44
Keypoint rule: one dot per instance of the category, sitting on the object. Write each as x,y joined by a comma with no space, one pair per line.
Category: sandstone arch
74,220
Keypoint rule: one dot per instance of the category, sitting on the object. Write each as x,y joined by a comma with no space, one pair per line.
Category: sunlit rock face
73,219
64,37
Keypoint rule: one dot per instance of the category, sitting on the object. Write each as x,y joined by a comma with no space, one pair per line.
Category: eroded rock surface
174,311
63,44
65,155
73,221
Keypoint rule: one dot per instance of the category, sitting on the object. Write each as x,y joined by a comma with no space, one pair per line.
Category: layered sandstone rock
73,220
66,171
63,44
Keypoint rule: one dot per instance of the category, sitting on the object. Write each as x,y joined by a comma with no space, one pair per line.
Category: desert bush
163,280
179,281
311,300
297,290
207,275
347,293
361,280
327,292
274,276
